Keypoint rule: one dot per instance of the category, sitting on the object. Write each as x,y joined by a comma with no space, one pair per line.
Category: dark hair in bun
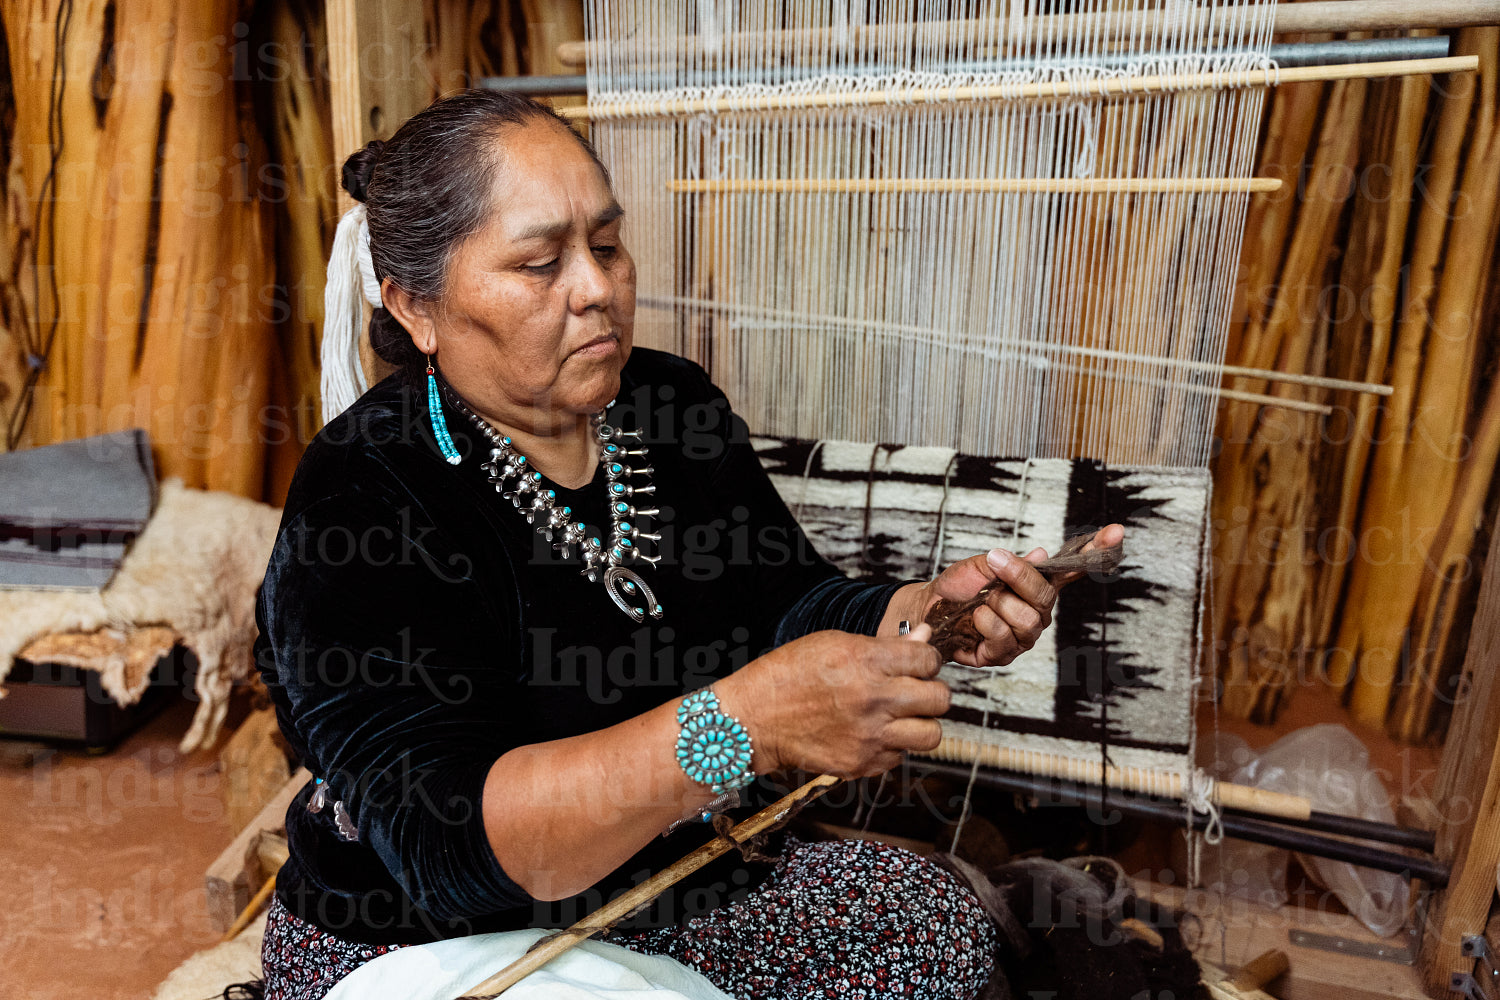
359,167
427,189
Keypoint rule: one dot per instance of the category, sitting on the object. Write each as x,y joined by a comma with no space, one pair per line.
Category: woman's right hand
841,704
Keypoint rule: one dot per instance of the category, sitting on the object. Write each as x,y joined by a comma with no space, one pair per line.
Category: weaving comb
953,621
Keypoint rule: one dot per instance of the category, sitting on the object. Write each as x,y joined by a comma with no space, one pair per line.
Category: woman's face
537,314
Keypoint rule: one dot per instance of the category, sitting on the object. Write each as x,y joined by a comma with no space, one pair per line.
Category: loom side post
1468,792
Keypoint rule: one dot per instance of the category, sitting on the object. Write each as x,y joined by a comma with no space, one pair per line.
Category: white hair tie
351,276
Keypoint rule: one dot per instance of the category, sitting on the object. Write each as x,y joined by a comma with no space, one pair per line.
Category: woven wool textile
1116,668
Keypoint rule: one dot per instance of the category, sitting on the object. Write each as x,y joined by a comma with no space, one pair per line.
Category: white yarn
1201,799
350,277
366,265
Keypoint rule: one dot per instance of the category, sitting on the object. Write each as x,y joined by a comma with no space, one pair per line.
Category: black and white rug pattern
1115,672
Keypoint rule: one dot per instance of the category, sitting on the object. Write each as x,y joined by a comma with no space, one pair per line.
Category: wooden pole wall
1346,546
160,256
196,198
294,104
410,53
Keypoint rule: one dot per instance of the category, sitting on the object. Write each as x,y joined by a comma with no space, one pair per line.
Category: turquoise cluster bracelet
713,748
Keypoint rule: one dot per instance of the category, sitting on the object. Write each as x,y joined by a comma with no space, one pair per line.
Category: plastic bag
1329,766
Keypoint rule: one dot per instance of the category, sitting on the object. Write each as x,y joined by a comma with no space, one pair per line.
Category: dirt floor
103,860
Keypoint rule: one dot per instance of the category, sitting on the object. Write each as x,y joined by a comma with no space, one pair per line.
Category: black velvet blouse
414,628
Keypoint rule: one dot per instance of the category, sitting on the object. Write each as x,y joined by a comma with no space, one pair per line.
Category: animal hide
194,569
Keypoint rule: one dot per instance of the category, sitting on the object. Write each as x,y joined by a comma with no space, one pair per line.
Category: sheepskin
194,569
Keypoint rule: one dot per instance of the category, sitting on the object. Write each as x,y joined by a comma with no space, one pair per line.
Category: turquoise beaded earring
439,422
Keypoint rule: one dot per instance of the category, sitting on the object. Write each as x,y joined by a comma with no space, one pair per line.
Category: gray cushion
69,511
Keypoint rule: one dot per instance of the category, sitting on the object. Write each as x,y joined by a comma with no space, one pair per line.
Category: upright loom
967,267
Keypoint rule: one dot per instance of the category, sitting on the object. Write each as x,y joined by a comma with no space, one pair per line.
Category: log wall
1348,548
174,256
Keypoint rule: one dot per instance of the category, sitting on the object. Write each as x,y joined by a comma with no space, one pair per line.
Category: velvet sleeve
799,590
364,608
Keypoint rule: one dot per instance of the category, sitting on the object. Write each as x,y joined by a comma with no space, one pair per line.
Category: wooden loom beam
984,185
1145,781
1106,87
1291,18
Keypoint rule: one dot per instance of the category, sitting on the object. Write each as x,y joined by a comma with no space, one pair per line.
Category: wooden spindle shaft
609,914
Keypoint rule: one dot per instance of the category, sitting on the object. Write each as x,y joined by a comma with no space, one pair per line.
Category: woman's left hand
1015,614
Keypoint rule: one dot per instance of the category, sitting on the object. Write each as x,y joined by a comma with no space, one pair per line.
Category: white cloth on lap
445,970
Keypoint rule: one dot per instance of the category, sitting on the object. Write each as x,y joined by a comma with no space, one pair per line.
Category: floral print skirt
850,919
839,918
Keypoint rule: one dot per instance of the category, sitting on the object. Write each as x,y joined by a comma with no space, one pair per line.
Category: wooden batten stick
1231,395
1282,402
1105,87
1142,780
1297,378
999,185
613,912
1319,15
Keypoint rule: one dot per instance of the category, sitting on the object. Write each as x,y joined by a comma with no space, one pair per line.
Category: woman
492,619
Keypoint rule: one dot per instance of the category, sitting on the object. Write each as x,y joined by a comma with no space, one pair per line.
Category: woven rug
1117,668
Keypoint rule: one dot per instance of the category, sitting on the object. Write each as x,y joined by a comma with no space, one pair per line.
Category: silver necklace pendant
624,586
515,480
343,823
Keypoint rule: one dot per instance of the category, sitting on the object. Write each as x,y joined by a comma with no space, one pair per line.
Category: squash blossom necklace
516,481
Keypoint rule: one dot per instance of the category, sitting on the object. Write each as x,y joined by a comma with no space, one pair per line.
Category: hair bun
359,168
